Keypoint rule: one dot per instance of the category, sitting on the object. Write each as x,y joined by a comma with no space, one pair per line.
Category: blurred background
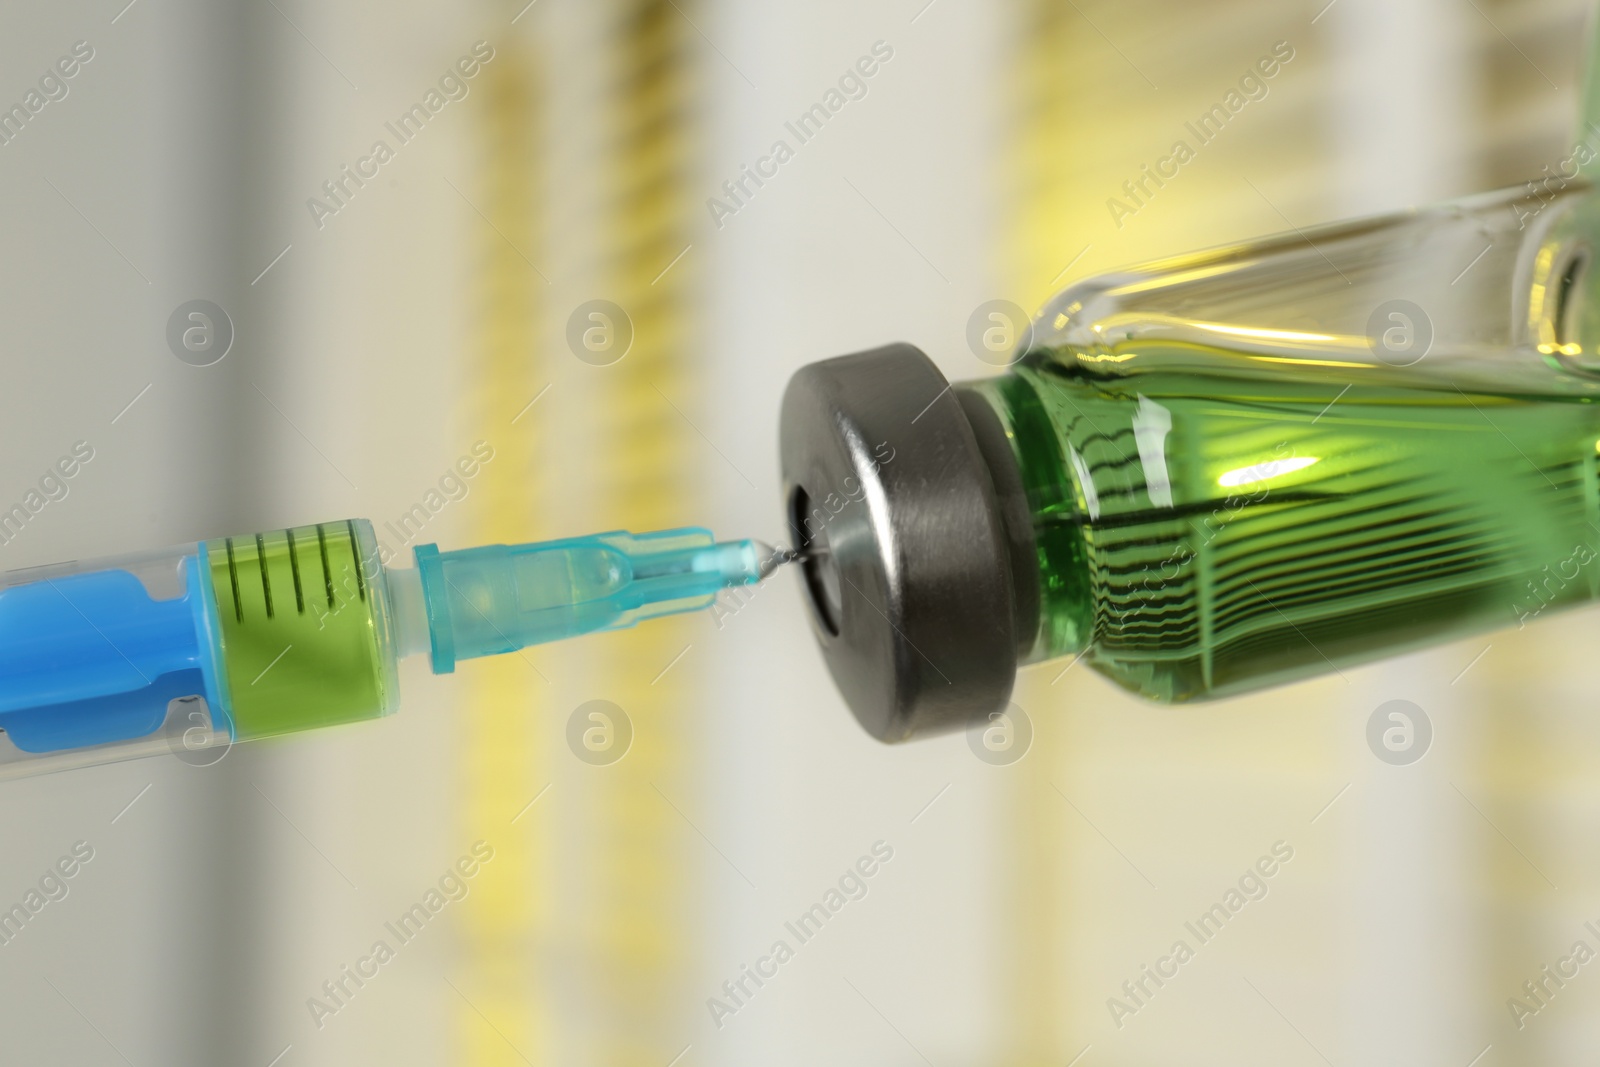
386,327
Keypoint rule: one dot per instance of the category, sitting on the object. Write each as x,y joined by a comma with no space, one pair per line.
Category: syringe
192,648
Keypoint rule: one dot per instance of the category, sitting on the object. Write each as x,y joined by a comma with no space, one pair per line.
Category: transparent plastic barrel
186,650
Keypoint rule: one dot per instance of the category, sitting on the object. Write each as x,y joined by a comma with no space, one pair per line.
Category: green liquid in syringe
301,627
1311,517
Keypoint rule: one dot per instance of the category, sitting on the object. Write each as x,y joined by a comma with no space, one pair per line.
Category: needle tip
773,558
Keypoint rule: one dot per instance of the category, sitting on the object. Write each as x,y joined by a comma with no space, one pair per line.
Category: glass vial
1217,472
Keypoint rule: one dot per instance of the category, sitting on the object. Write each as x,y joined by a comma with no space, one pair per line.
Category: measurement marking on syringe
327,575
355,556
233,577
266,582
294,567
273,664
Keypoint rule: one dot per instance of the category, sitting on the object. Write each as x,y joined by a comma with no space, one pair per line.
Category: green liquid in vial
302,637
1313,516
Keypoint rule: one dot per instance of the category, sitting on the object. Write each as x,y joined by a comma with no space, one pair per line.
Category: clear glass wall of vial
1276,459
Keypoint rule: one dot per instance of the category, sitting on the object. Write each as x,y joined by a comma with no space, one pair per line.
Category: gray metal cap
909,572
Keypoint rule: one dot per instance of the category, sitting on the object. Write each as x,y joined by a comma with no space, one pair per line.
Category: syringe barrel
188,649
191,648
